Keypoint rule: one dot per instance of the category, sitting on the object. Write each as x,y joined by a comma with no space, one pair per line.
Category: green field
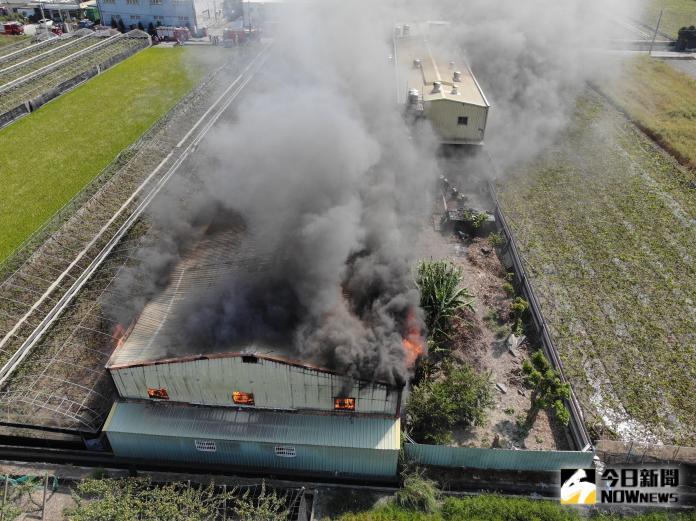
50,155
676,14
7,40
607,225
661,99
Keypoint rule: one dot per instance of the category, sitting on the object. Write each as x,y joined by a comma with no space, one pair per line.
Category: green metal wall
501,459
248,454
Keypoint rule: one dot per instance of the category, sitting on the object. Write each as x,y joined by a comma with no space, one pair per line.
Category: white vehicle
45,23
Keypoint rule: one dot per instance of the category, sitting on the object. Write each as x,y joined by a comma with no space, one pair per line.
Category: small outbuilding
440,88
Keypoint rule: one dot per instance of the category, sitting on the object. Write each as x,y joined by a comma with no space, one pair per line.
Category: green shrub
459,398
496,508
548,390
497,239
508,288
441,296
519,307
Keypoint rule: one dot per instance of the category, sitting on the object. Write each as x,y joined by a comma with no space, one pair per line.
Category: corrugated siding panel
275,385
161,419
444,113
358,462
441,456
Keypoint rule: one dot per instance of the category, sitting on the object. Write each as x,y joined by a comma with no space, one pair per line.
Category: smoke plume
331,184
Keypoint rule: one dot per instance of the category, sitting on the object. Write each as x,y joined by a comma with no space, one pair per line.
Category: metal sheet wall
444,114
274,385
534,460
254,455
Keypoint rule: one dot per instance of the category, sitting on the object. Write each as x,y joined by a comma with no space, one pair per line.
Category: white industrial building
177,401
438,87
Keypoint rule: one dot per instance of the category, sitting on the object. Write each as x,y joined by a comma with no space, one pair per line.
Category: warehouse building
437,87
248,404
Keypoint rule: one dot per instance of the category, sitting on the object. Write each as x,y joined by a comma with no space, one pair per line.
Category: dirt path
481,340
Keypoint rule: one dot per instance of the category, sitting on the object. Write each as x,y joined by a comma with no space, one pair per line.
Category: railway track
30,313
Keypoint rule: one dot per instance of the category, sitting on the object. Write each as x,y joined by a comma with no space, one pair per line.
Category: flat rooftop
435,65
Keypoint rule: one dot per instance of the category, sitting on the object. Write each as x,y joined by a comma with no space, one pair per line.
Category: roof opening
250,359
157,394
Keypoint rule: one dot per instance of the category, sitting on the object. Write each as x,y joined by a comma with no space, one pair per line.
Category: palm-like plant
441,296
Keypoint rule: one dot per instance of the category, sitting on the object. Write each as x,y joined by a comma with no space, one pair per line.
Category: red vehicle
239,35
13,28
178,34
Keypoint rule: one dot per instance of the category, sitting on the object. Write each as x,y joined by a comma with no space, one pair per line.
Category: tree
114,23
548,390
151,30
417,492
459,397
121,25
442,297
140,26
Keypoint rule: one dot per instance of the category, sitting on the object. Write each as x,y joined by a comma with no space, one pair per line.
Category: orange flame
414,346
119,335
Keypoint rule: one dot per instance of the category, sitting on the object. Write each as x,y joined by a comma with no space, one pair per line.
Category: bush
418,493
441,296
496,508
459,398
548,390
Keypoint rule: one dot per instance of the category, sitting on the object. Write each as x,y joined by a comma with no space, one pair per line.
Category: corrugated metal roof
433,67
156,335
161,419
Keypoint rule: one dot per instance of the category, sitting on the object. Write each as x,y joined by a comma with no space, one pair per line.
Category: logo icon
578,487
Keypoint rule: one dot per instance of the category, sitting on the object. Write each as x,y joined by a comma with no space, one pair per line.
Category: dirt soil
482,341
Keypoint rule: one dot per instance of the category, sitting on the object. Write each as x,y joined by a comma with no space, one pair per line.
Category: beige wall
443,115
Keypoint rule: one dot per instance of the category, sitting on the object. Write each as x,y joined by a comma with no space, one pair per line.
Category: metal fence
578,431
498,459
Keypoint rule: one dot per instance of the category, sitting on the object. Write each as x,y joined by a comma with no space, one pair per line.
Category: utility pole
659,19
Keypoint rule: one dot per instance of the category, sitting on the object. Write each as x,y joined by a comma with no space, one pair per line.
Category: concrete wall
444,115
275,385
258,456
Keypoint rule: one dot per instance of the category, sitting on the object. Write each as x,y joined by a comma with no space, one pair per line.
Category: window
157,394
158,17
205,445
183,18
132,2
155,2
284,451
241,398
344,404
135,17
109,1
462,120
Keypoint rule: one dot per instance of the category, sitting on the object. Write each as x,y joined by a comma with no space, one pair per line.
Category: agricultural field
83,131
607,225
677,14
660,99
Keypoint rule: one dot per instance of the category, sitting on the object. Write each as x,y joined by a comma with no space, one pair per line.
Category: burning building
252,401
444,91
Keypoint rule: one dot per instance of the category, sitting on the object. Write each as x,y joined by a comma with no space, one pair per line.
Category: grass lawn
677,14
661,99
607,226
8,39
50,155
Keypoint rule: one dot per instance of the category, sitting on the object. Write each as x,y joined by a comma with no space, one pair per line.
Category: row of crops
41,87
607,225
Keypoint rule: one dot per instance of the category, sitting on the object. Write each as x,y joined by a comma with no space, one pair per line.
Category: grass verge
676,14
50,155
661,100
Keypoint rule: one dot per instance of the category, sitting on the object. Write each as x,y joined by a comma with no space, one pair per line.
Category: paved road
687,66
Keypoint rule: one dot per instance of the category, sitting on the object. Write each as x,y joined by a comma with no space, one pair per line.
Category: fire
119,335
414,346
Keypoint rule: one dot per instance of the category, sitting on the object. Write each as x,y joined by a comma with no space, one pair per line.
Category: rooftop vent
457,76
413,96
416,64
437,87
406,30
451,65
455,90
